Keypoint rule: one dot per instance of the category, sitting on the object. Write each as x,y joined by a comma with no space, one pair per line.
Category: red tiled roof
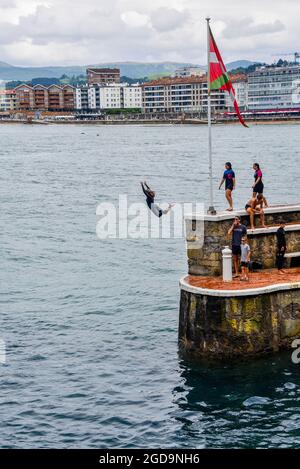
7,91
189,80
54,85
175,81
238,77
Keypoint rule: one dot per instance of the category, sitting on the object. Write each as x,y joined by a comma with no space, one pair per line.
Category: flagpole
211,209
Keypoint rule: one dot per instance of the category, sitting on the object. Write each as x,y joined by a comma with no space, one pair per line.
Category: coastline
151,122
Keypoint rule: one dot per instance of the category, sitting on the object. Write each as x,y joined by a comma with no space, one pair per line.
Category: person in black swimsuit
150,195
258,186
281,247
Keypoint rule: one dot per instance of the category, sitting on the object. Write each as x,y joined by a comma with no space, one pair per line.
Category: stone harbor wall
264,247
206,237
238,326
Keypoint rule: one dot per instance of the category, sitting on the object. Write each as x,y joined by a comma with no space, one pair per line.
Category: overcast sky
66,32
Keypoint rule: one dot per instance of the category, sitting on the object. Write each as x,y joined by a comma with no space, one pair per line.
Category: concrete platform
226,215
238,319
261,282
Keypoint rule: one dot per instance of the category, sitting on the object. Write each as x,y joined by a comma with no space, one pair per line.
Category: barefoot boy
245,258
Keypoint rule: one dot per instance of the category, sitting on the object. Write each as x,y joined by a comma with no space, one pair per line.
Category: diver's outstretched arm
144,190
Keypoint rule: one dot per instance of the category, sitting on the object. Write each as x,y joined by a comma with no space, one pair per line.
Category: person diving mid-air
150,195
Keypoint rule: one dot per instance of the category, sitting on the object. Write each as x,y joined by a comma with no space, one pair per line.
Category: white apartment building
87,98
132,97
110,97
93,97
274,88
7,100
180,95
81,98
113,96
240,84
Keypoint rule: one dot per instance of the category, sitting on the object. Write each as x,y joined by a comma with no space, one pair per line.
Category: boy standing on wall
245,258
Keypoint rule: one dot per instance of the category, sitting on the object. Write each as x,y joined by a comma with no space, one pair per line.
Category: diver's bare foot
229,209
264,226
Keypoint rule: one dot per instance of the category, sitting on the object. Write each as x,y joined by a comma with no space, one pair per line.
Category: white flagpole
211,209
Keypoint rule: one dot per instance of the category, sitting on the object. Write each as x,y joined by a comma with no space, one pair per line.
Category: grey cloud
94,30
246,27
56,25
7,4
166,19
8,34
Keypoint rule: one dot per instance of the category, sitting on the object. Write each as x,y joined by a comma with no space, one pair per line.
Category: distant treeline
251,68
63,80
79,80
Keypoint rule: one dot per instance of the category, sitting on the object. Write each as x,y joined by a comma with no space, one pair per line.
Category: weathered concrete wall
264,247
240,326
207,259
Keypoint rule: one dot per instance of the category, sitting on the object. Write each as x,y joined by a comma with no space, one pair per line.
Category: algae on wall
238,326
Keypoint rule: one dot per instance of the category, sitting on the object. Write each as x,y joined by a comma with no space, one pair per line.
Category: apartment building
274,87
24,97
132,97
240,84
114,96
82,98
102,76
7,100
110,97
187,94
51,98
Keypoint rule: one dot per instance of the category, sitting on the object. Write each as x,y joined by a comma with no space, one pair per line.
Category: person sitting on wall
245,258
229,179
253,207
237,230
281,246
150,194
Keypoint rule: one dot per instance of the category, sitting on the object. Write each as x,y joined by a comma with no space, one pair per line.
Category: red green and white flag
219,79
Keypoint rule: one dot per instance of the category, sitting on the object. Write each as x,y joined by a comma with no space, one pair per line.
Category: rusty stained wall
221,327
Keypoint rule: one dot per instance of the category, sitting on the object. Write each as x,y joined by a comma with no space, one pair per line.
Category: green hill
129,69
